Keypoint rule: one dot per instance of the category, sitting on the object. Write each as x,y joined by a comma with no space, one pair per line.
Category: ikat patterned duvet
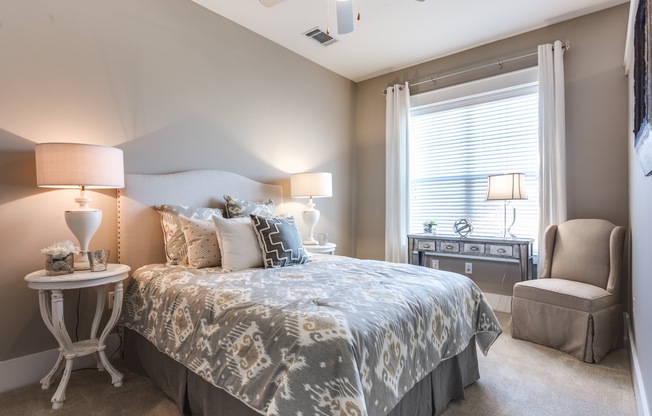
336,336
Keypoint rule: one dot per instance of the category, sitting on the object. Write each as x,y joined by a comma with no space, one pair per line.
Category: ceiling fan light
344,16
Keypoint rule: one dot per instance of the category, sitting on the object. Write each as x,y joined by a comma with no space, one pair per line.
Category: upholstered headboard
140,238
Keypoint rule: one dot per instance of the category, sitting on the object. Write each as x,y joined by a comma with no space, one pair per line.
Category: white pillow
201,238
238,243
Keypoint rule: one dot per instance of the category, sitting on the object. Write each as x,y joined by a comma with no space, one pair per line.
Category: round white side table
328,248
52,313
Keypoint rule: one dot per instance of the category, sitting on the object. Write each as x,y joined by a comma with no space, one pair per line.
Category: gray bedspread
334,336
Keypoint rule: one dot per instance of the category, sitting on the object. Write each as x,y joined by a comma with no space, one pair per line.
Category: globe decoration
463,227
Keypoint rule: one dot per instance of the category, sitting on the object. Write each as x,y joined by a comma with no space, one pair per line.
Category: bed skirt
195,396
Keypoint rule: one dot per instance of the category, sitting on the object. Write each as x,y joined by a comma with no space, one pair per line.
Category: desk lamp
507,187
311,185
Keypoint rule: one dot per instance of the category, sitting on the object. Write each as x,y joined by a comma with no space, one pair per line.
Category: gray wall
640,201
176,87
596,118
180,88
602,183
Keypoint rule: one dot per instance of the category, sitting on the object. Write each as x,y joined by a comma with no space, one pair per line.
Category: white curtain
396,182
552,141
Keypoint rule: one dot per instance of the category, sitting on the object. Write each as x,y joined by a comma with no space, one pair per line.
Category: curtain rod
565,45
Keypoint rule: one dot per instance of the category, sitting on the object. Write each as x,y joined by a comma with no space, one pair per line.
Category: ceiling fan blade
344,16
270,3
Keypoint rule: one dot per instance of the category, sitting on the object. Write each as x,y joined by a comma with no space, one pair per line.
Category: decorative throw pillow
238,243
280,241
238,208
201,238
176,249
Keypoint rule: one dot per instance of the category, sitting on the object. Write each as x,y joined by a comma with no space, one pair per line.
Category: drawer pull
449,247
426,246
502,251
474,248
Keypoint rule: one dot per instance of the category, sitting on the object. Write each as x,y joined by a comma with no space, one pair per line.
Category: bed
327,335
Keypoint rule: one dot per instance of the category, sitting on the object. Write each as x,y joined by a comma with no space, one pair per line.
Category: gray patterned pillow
176,249
201,238
238,208
280,241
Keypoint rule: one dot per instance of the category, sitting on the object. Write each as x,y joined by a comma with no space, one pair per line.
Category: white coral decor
60,249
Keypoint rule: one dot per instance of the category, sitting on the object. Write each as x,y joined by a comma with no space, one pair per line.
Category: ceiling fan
344,14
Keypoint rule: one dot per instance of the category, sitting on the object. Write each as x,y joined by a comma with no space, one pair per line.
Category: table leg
116,376
99,308
60,395
46,314
523,259
46,381
66,349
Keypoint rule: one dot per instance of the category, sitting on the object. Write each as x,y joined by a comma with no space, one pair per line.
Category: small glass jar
58,265
98,260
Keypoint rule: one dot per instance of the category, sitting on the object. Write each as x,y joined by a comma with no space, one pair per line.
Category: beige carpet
522,378
517,378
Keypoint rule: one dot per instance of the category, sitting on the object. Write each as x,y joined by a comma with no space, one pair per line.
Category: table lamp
311,185
84,166
506,187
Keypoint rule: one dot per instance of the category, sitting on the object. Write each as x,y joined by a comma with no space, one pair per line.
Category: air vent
320,36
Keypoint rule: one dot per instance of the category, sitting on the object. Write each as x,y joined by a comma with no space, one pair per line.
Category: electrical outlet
468,268
434,264
111,299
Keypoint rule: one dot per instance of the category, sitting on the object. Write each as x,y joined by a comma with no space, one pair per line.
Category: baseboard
499,303
32,368
637,380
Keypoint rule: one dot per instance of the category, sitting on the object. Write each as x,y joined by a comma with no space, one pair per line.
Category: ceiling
394,34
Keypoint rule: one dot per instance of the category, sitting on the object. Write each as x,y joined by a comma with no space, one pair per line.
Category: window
461,135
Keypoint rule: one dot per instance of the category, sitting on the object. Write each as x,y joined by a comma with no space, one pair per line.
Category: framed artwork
643,85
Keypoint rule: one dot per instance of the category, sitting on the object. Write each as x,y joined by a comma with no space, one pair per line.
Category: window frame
475,92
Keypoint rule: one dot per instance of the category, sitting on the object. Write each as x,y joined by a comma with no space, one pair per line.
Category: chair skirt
587,336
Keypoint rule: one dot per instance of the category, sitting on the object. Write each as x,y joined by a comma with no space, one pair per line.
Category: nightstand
52,287
328,248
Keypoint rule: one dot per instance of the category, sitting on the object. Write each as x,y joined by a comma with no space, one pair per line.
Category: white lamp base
310,218
83,223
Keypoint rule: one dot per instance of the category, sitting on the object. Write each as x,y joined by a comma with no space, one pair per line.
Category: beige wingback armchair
575,305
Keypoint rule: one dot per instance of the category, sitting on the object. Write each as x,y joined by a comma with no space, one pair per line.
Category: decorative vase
58,265
429,229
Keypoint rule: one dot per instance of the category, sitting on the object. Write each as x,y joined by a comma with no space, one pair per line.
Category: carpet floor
517,378
526,379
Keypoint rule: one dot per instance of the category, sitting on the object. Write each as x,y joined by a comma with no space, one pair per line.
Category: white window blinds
457,143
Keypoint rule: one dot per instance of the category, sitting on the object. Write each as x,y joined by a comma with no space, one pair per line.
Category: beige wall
596,118
176,87
604,178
